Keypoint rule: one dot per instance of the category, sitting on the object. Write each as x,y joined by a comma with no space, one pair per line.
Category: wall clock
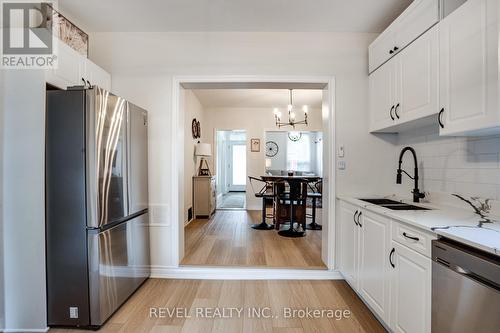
271,148
294,136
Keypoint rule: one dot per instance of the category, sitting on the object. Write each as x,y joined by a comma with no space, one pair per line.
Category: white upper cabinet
97,76
70,67
382,97
410,291
468,42
73,69
417,78
406,88
414,21
374,273
381,50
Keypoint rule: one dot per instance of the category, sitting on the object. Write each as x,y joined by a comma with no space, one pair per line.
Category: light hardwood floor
227,240
276,296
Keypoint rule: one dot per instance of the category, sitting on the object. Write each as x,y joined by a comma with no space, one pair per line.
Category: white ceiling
233,15
257,98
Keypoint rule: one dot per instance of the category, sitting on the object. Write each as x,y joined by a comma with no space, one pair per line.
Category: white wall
153,94
192,108
255,121
2,251
278,161
131,57
467,166
24,206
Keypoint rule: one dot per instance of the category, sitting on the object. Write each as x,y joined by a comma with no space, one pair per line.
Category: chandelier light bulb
305,108
292,115
276,111
278,115
290,107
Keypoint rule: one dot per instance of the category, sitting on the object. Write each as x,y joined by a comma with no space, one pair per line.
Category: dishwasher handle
467,262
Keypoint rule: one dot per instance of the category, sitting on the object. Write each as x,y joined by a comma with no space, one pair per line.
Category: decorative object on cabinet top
66,31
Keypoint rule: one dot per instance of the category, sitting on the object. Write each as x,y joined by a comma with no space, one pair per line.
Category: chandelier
291,115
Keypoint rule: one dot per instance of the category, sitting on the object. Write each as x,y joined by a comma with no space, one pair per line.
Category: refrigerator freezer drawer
118,264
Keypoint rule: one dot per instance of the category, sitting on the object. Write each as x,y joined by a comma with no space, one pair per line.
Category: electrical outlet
341,165
73,312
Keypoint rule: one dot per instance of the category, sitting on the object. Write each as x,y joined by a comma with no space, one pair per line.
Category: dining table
294,181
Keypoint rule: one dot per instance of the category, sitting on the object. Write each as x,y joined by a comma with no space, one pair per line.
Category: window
298,154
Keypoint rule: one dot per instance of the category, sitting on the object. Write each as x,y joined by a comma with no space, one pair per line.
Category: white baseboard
243,273
25,330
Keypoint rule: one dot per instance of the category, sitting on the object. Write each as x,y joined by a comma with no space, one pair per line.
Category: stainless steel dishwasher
465,289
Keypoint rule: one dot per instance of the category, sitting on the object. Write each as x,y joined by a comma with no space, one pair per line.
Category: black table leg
263,225
313,225
291,232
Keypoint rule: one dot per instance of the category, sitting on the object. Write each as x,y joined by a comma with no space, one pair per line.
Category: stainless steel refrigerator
97,228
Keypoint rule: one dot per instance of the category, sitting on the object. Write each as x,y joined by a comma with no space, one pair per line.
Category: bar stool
267,195
314,195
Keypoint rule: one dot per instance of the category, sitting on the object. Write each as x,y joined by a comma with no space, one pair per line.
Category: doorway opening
231,161
228,237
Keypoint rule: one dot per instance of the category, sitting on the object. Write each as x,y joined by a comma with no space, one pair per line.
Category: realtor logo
27,39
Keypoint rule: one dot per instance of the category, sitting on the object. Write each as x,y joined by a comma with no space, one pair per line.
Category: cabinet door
382,88
468,59
349,233
381,50
97,76
70,67
417,78
374,273
420,16
410,291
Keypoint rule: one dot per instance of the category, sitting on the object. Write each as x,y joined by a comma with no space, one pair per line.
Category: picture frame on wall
255,145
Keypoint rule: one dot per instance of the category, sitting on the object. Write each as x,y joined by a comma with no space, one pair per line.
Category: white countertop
455,223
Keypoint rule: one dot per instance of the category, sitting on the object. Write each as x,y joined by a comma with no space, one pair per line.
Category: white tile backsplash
465,165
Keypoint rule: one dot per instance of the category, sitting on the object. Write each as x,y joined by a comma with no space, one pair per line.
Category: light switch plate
341,152
341,165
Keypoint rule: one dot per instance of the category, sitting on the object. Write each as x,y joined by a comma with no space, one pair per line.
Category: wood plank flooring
275,296
227,240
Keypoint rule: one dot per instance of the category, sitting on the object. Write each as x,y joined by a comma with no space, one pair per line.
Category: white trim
177,200
25,330
243,273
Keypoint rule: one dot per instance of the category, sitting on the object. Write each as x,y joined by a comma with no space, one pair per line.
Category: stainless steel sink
393,204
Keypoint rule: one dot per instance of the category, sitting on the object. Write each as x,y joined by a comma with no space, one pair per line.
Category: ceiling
233,15
257,98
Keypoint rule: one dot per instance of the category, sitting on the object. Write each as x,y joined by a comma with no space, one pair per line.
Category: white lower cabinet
349,233
386,262
374,269
411,291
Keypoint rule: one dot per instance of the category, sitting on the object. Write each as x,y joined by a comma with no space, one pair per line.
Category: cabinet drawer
413,238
